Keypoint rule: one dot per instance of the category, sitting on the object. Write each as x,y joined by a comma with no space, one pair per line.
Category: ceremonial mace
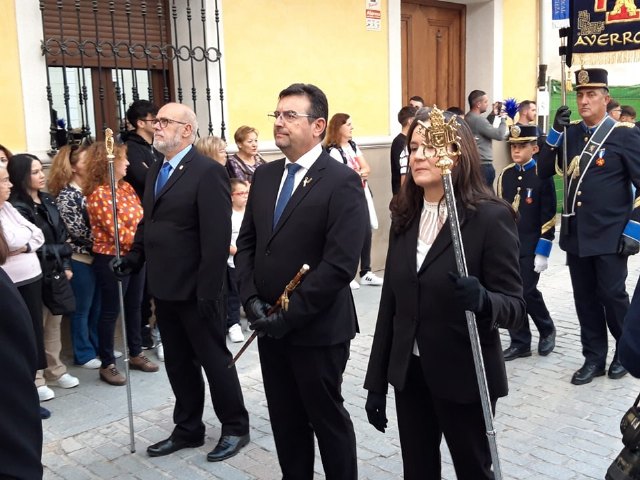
442,137
116,234
283,302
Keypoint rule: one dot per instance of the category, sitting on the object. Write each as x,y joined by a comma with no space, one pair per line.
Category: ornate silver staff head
440,139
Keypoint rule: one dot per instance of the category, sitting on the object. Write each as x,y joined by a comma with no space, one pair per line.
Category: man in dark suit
184,237
304,348
601,224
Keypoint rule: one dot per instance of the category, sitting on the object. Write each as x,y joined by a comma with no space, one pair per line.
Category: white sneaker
45,393
354,285
67,381
235,333
371,279
160,352
117,354
93,364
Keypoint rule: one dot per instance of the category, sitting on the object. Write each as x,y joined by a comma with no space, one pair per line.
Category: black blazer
184,234
420,305
323,225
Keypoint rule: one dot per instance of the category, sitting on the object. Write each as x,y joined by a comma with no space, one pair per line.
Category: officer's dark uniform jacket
600,201
535,201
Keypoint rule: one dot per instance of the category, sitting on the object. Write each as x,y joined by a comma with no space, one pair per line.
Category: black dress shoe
228,446
616,370
587,373
512,353
547,344
170,445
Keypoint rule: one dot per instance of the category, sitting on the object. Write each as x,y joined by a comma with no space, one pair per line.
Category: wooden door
433,38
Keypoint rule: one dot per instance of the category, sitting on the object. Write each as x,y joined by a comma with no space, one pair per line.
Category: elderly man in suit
304,208
184,238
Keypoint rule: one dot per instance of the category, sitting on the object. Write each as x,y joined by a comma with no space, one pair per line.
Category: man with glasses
184,237
304,209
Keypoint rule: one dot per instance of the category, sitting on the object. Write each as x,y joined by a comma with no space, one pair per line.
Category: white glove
540,263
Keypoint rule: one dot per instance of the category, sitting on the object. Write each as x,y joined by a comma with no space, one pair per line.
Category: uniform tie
285,193
163,176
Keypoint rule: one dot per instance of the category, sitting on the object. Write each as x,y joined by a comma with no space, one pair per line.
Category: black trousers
303,386
536,308
31,293
192,343
601,301
422,420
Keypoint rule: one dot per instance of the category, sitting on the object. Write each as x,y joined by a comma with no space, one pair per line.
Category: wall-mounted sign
373,15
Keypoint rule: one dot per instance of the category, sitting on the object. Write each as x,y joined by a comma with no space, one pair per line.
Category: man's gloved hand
274,326
540,263
470,293
208,309
628,246
562,118
376,408
121,267
256,308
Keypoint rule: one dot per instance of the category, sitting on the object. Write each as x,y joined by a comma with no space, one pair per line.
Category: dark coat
420,305
184,234
601,197
141,156
323,225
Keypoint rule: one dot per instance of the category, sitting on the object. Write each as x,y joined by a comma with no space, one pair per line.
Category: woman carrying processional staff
421,344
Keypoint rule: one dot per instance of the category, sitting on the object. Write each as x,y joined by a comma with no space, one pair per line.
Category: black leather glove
562,118
628,246
376,408
256,308
121,267
208,309
274,326
470,293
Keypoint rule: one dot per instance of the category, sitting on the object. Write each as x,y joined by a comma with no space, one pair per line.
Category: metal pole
563,89
443,138
116,234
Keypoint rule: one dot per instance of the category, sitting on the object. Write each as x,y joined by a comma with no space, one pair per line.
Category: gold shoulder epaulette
511,165
625,124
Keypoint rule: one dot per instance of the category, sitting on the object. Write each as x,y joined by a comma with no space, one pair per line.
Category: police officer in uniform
600,227
535,201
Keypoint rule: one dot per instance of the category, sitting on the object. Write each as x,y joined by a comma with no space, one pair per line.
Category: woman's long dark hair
4,247
468,183
19,169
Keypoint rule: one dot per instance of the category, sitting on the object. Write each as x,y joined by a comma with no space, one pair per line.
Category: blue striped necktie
285,193
163,176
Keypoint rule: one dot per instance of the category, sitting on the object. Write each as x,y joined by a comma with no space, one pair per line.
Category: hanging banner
560,14
605,31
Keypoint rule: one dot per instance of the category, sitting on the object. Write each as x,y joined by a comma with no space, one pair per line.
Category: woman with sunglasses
421,344
39,208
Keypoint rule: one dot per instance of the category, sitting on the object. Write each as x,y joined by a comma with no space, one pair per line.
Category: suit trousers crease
536,307
424,418
303,389
601,301
192,343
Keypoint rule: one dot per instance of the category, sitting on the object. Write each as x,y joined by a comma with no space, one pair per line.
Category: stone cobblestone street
546,427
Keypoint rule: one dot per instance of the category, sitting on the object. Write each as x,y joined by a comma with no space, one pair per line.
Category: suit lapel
272,184
175,175
150,186
410,246
443,240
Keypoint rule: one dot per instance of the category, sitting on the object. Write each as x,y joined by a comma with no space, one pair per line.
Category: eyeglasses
244,194
164,122
288,115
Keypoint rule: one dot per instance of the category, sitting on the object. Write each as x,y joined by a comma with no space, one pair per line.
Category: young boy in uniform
535,201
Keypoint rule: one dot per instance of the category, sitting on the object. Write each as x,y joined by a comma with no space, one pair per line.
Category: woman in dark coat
421,344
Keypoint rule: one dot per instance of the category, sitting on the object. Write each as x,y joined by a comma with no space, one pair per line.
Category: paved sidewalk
546,427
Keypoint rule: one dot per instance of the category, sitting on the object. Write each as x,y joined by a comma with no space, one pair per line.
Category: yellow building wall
520,51
269,45
12,125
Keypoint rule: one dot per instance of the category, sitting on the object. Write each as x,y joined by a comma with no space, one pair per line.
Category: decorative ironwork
124,49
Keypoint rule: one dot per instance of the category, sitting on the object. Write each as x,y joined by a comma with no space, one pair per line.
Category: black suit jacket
420,304
185,232
323,225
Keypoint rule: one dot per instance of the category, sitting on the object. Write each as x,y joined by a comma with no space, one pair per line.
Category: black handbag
57,293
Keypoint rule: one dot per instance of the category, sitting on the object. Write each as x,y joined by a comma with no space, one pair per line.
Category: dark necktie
163,176
285,193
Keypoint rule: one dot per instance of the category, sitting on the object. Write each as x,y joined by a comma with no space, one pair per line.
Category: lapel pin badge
306,181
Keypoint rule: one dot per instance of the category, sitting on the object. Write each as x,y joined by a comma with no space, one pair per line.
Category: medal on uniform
529,199
600,160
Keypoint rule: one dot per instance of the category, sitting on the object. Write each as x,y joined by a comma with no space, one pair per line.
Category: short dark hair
456,110
417,98
611,105
474,96
319,103
628,110
139,110
525,104
406,114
